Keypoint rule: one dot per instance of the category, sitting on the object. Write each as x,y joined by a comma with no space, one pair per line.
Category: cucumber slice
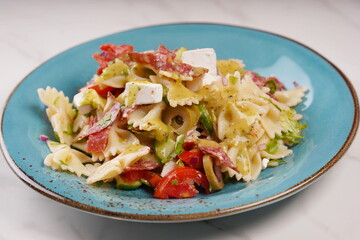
168,150
121,184
164,149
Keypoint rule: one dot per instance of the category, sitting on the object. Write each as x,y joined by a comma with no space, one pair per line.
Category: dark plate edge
195,216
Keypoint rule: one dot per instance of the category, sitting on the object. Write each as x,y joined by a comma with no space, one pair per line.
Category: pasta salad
176,122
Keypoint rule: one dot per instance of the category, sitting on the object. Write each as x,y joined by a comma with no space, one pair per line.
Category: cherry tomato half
193,158
179,183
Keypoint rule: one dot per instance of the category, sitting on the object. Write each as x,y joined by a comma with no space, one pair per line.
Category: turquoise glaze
330,109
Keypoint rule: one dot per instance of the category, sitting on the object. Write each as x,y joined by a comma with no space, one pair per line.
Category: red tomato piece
188,145
181,190
179,183
135,175
155,180
193,158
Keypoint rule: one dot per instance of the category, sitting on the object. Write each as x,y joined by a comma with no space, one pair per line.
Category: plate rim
28,180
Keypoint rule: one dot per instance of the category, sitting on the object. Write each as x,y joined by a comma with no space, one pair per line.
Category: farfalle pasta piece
291,97
60,113
256,166
240,156
231,122
179,95
67,159
118,141
250,111
91,167
248,89
148,118
233,155
282,152
117,165
79,122
271,122
256,132
56,101
275,148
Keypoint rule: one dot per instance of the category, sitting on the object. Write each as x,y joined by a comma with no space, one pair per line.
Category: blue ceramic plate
330,109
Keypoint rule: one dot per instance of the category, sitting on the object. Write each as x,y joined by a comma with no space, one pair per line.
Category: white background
31,32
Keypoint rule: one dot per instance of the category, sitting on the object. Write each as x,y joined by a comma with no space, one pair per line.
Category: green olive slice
213,173
181,118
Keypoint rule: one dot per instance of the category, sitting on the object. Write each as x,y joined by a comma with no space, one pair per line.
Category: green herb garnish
276,162
272,146
69,130
272,85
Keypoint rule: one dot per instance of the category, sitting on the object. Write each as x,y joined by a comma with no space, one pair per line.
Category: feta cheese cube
81,103
88,99
206,58
139,93
264,163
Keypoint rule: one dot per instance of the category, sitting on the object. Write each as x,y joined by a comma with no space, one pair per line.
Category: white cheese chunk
206,58
207,79
139,93
80,104
78,99
264,163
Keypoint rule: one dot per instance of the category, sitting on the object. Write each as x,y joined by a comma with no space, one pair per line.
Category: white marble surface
34,31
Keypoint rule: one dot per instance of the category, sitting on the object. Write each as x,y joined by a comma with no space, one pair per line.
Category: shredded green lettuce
276,162
294,128
105,121
69,130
